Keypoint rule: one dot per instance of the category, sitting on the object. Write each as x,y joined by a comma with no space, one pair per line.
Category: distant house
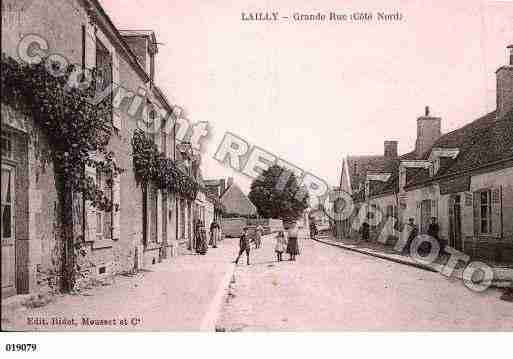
235,202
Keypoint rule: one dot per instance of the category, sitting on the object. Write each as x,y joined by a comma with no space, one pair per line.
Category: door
455,222
8,238
425,215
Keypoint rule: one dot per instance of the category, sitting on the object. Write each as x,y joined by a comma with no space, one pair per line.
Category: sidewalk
503,275
182,293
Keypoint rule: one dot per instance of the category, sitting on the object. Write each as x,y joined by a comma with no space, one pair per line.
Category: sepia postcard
256,166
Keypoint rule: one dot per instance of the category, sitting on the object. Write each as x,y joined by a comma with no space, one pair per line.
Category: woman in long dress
292,243
202,245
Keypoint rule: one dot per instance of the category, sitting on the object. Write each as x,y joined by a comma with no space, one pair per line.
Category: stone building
463,178
149,221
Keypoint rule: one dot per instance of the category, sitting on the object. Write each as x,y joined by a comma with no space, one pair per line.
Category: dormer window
433,170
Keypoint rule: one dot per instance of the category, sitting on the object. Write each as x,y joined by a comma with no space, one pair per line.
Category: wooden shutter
90,211
116,116
90,47
496,214
477,213
418,217
116,199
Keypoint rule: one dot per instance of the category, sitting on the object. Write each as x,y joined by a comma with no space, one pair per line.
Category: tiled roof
359,166
481,142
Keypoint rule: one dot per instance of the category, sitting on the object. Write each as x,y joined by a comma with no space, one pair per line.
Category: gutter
452,175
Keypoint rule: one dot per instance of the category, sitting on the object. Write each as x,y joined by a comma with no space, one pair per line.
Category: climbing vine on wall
77,130
151,166
55,97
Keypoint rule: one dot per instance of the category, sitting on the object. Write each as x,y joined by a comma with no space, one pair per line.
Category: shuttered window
485,210
488,212
100,226
103,218
104,72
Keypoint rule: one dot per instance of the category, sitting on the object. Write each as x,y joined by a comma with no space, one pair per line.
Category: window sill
152,246
105,243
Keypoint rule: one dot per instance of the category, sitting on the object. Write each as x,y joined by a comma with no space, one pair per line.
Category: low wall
270,225
232,227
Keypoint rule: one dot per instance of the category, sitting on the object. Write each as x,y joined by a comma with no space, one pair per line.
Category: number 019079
20,347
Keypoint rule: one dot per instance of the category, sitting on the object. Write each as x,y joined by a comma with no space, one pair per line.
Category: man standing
365,231
433,230
313,228
412,234
214,233
244,245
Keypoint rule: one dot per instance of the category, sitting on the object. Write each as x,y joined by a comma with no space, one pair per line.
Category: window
6,144
103,218
104,69
163,141
433,169
485,212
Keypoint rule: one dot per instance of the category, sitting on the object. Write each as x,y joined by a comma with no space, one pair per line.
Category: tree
273,200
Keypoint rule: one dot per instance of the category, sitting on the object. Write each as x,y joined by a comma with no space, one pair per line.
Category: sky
314,92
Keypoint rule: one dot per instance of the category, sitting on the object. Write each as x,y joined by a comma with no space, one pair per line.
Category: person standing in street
313,229
244,245
292,243
214,233
433,231
281,245
202,237
412,234
258,236
365,231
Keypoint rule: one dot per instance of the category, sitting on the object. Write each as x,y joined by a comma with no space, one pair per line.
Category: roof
236,202
483,141
360,166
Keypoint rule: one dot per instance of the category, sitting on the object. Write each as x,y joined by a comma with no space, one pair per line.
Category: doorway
455,222
8,235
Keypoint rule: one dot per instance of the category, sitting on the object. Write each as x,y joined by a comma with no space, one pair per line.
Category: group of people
201,243
286,241
412,233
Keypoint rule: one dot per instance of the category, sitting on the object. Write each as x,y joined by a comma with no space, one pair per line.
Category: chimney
390,149
505,85
428,131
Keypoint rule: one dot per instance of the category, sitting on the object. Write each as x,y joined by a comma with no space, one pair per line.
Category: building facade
463,178
150,223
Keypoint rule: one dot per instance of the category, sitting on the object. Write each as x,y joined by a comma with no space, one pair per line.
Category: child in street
244,245
281,245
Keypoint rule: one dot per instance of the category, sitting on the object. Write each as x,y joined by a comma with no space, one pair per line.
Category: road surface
328,288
